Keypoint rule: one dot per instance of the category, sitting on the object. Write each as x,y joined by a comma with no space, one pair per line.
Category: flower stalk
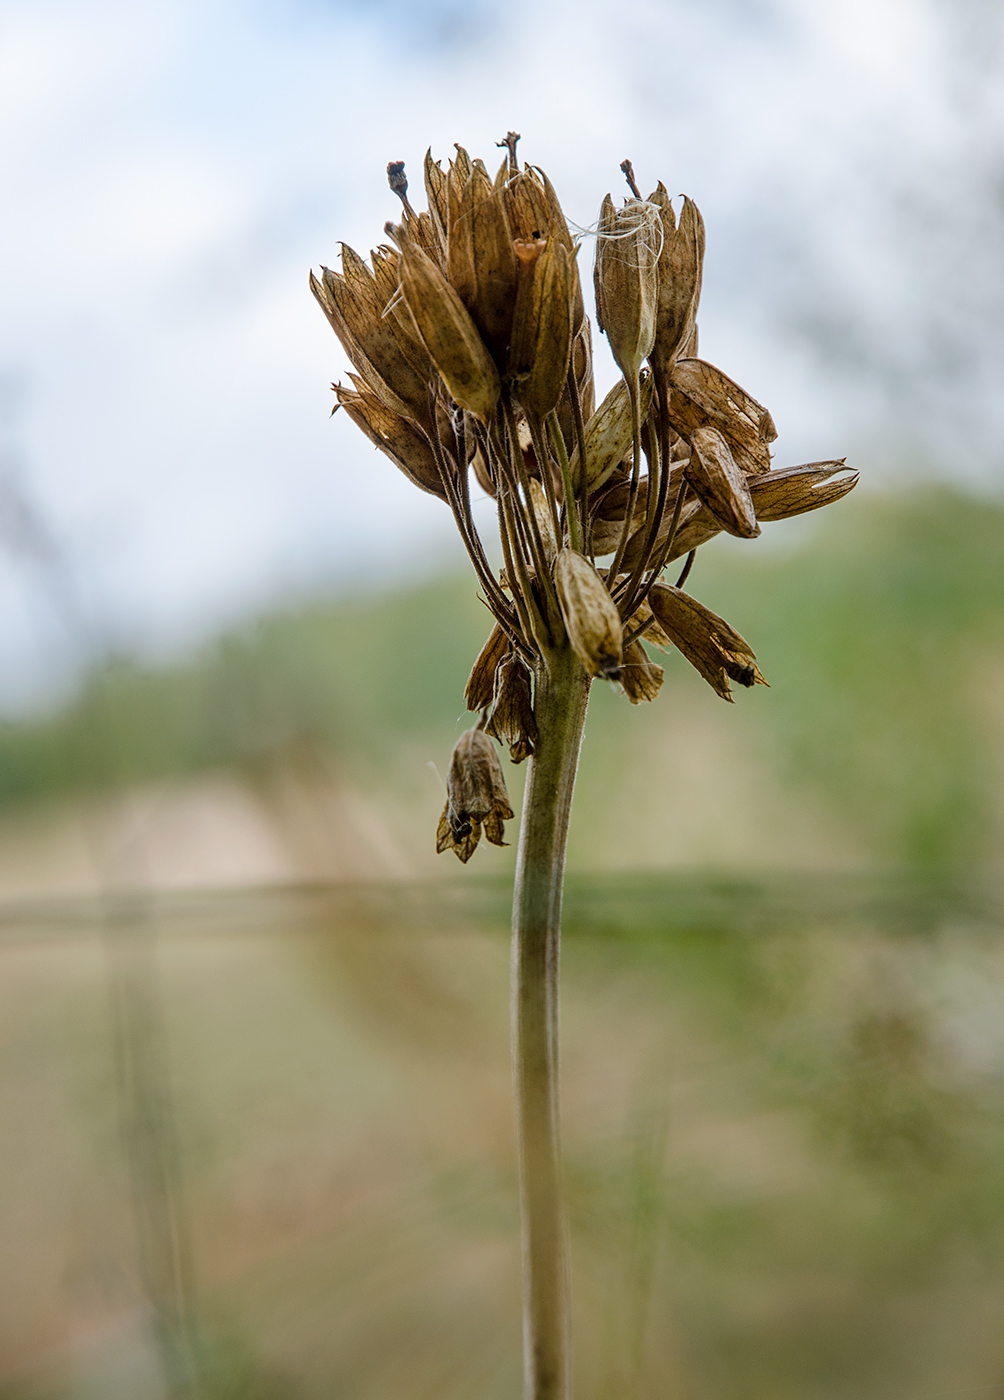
472,352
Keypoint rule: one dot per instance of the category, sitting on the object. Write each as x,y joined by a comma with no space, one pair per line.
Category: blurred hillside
306,746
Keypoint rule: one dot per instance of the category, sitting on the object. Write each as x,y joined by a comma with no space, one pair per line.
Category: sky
172,168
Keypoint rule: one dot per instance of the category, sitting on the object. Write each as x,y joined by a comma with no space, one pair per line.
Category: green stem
562,690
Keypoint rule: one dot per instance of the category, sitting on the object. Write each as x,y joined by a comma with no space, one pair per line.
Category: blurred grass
785,1144
880,626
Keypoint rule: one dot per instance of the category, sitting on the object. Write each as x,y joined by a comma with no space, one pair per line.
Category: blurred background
253,1050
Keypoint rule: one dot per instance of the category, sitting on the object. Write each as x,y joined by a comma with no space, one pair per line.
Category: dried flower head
471,354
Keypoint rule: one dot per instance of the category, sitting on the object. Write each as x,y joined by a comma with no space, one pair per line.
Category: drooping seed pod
541,330
640,677
591,619
702,396
480,260
795,490
398,438
512,720
480,689
714,648
476,797
627,282
680,266
720,484
608,433
449,334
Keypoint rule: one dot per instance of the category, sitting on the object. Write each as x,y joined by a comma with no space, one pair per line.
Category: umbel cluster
472,353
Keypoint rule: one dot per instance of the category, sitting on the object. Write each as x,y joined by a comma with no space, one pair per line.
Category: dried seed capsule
706,640
439,202
476,797
702,396
353,312
448,332
480,260
512,720
640,677
545,520
795,490
720,484
608,433
541,343
627,281
680,264
398,438
480,689
591,619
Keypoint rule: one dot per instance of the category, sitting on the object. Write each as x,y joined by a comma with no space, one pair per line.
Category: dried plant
473,353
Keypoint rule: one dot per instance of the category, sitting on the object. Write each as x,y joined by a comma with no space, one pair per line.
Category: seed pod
448,332
398,438
480,260
627,282
608,522
720,484
476,797
640,677
680,264
795,490
541,330
591,619
702,396
387,277
369,341
512,721
608,433
706,640
480,689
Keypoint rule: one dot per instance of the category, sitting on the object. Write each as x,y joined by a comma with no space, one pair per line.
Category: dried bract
591,620
398,438
702,396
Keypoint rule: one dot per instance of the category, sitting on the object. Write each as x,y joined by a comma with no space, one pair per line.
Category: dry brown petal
640,677
608,433
627,281
714,648
680,264
591,619
480,689
720,484
795,490
448,332
512,721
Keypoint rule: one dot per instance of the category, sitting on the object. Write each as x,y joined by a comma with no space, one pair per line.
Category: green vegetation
881,632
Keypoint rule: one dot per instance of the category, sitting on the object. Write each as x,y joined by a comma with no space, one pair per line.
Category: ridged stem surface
562,691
